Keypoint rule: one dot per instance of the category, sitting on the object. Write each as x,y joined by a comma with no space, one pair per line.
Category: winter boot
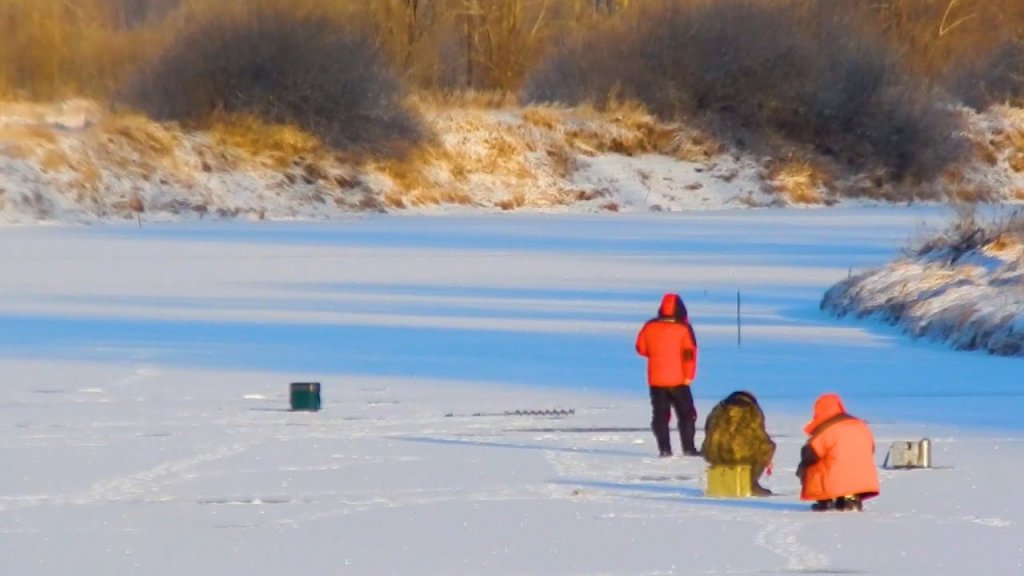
758,490
822,506
755,487
849,504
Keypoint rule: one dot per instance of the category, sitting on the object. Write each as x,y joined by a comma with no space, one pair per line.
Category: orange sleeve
641,343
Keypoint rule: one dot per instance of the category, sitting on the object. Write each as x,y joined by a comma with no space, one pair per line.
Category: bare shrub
939,37
59,47
589,69
131,14
1010,224
997,78
962,236
818,77
51,49
283,67
970,232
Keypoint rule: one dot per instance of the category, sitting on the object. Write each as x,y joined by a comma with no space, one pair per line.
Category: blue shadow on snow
688,495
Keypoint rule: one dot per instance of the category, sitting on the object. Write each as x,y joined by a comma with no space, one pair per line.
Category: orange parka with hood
839,457
669,344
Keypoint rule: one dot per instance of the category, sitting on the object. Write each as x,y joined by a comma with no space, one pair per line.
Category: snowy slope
76,162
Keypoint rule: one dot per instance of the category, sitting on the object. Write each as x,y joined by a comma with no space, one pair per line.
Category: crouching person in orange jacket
837,464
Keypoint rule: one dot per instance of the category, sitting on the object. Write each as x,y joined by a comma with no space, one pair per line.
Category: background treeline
866,81
52,48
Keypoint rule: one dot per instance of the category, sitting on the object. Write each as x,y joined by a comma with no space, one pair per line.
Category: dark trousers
664,399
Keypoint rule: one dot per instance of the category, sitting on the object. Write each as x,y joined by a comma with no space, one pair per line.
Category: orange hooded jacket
669,344
839,457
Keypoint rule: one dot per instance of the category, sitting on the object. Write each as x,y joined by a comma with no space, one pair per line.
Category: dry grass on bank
204,63
495,154
800,181
279,144
490,155
116,165
506,158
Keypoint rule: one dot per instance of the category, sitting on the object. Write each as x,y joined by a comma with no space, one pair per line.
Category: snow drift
965,287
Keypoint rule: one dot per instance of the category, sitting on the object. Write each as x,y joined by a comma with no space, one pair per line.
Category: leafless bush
997,78
53,49
969,232
130,14
283,67
941,37
818,77
590,69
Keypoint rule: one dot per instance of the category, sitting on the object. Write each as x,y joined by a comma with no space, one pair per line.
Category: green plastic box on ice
305,396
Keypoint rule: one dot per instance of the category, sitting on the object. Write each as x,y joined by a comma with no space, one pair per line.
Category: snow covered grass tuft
964,287
969,233
995,169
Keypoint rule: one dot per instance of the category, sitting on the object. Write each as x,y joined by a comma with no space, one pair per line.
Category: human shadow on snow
687,494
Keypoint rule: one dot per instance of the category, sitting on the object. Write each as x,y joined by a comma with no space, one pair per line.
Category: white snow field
144,401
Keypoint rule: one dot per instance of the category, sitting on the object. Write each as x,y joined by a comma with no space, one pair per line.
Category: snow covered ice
144,400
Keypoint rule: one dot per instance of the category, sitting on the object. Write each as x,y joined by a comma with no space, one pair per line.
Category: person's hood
825,407
672,307
741,397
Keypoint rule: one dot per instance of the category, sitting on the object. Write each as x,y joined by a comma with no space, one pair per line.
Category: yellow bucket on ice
728,481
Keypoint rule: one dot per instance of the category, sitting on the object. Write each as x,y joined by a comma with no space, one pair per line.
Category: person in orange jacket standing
670,346
837,464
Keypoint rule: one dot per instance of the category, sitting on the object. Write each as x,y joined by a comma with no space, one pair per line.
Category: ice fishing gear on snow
909,454
557,412
305,396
